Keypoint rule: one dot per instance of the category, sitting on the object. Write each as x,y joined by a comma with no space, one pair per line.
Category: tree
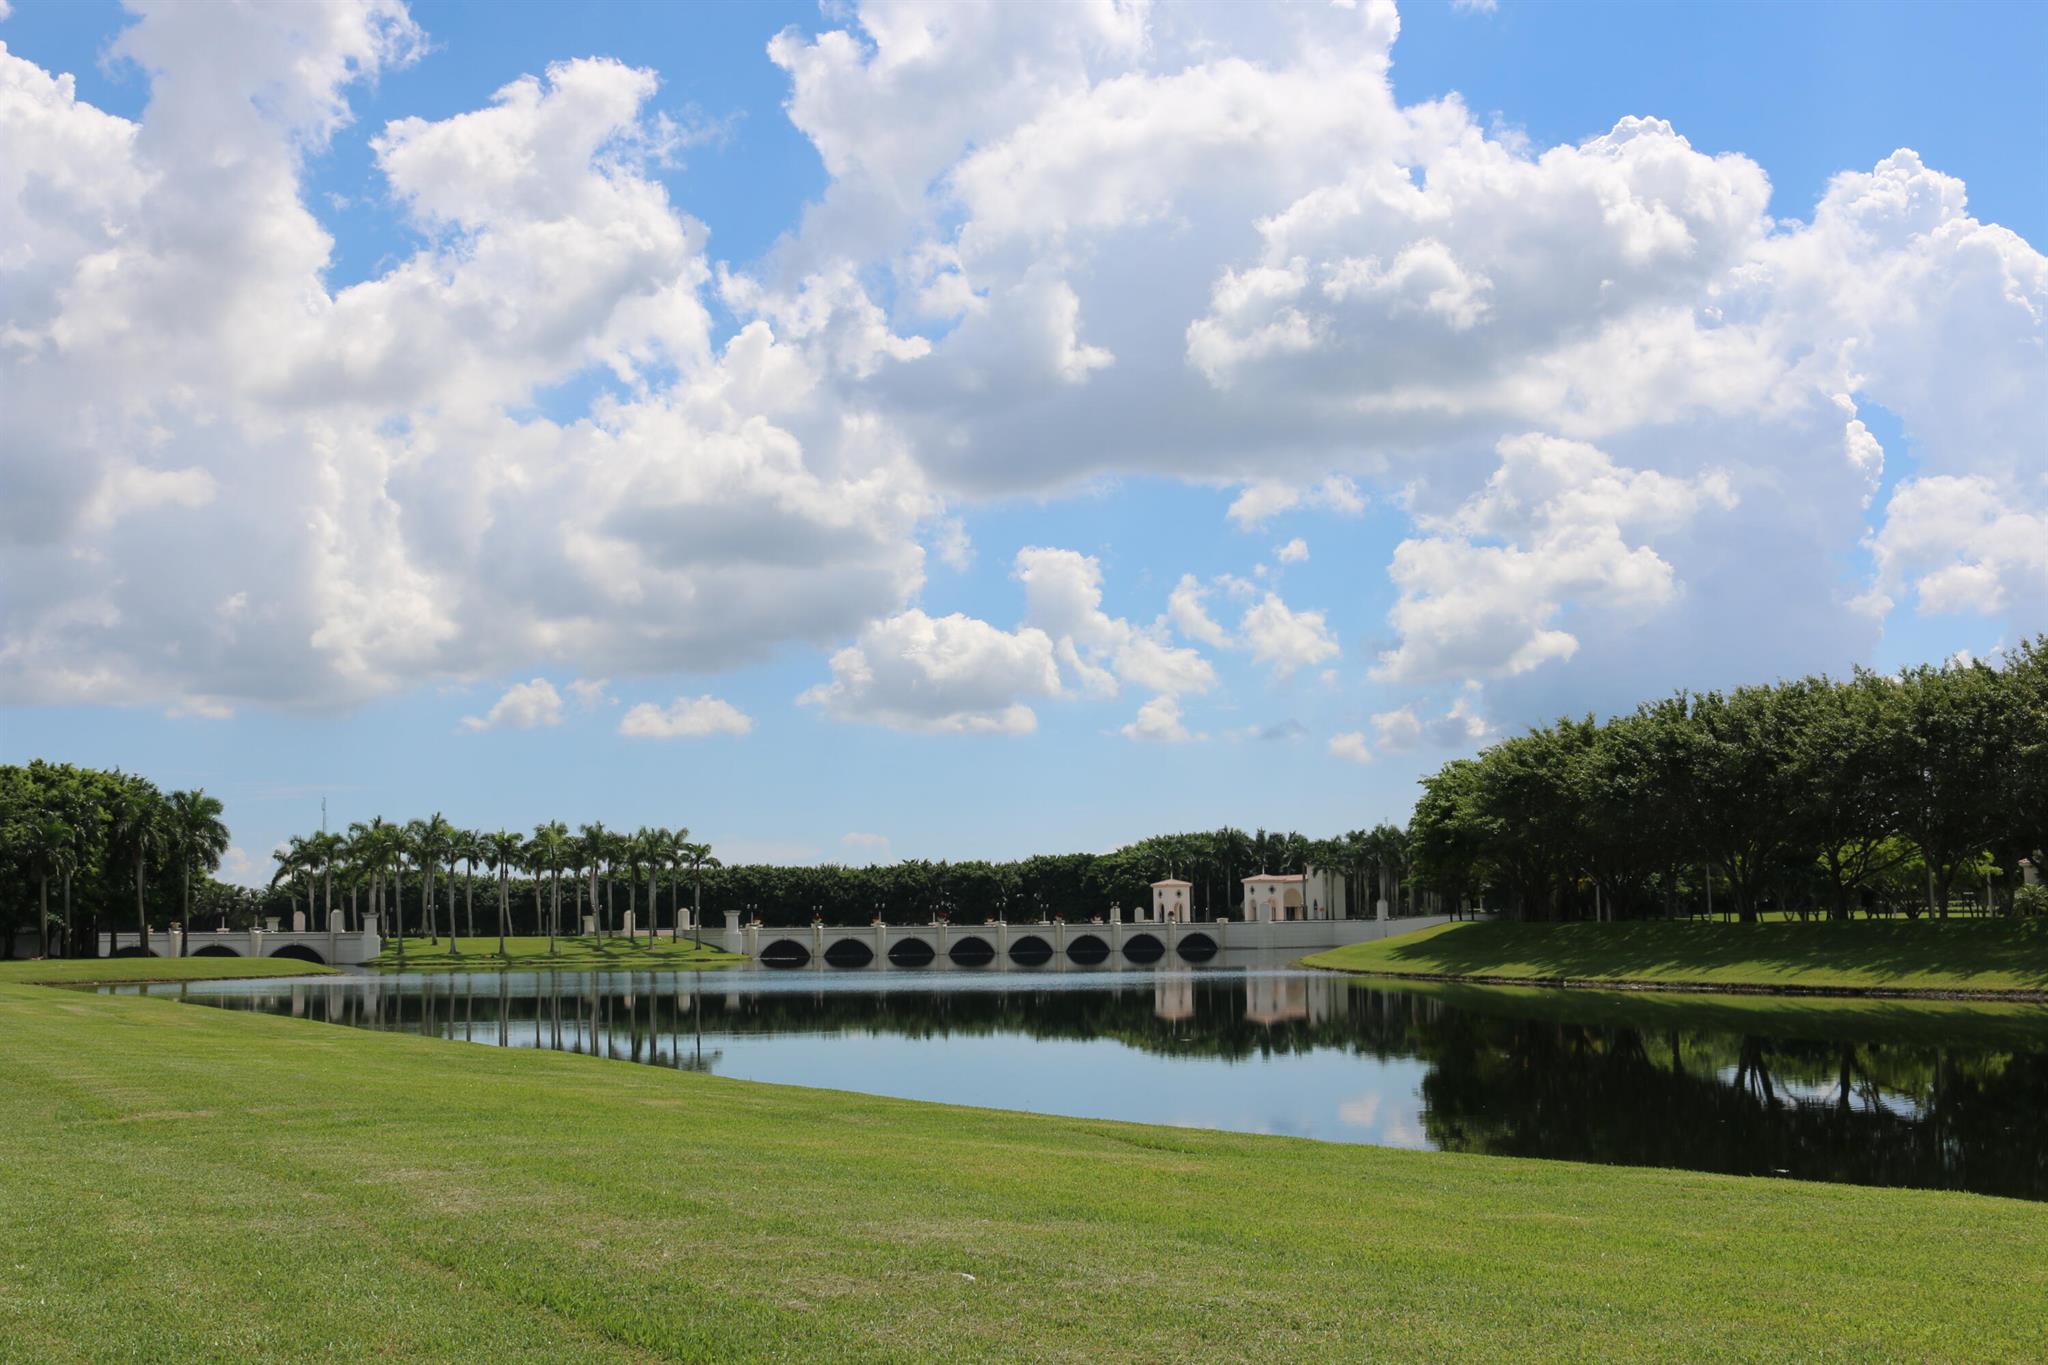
700,859
551,849
596,847
468,846
197,834
504,850
1845,758
1956,738
136,827
675,847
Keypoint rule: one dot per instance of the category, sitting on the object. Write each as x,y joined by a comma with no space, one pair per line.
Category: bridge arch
1031,951
1196,947
299,952
1088,950
911,952
785,952
849,952
215,950
972,951
1143,948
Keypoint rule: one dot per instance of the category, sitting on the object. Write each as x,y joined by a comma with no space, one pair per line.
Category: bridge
334,947
940,945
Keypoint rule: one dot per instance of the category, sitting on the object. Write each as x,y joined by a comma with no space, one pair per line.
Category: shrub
2031,902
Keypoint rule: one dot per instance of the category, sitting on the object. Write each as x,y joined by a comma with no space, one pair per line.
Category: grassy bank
531,954
1859,1020
1953,957
108,971
183,1182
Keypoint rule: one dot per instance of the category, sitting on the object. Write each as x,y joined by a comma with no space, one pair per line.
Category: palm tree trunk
185,911
454,943
141,915
43,922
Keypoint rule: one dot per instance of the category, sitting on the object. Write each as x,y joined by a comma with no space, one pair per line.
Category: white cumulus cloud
685,718
944,675
524,706
1351,747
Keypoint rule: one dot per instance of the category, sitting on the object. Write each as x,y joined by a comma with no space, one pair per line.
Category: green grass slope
571,954
186,1183
1927,956
107,971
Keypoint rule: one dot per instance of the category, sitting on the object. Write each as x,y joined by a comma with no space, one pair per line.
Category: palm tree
468,845
645,850
596,848
326,848
199,835
368,846
675,845
47,842
137,833
1234,849
428,842
503,850
700,858
551,849
88,840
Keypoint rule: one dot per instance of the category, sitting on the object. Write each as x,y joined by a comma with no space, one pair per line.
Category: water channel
1868,1092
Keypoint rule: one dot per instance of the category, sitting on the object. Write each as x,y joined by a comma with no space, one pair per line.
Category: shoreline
2023,996
1987,961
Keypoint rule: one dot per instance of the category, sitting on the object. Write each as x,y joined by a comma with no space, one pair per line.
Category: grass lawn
85,971
1927,956
182,1182
531,954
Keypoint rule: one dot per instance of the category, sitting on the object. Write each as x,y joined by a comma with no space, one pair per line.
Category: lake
1951,1097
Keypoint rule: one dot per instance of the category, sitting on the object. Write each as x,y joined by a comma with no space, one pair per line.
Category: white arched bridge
335,947
941,945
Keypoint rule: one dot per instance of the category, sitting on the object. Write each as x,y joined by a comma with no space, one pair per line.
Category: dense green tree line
1910,793
1907,793
551,882
80,832
84,851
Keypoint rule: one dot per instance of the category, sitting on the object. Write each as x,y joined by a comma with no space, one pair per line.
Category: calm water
1875,1094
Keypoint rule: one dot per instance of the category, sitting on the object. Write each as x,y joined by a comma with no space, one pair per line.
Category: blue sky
1650,531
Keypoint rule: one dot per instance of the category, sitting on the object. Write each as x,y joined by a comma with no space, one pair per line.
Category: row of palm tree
374,861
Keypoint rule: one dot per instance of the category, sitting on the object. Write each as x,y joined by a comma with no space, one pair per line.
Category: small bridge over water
335,947
941,946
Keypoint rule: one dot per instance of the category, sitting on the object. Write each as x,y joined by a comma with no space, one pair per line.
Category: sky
881,430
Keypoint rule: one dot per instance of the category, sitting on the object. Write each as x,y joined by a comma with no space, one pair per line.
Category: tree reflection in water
1865,1093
